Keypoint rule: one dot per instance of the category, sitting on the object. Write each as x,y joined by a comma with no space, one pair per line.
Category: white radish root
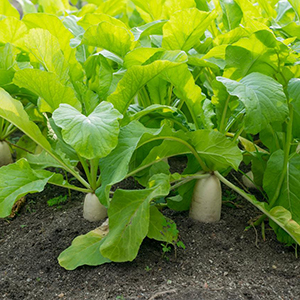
5,154
247,182
93,210
207,200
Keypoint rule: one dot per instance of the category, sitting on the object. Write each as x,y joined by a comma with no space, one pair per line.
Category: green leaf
261,52
263,97
148,29
290,190
137,76
48,87
114,167
7,9
91,19
139,56
294,98
27,6
129,217
281,217
92,136
149,10
56,28
172,6
214,149
161,228
185,28
16,181
232,14
100,74
54,6
13,111
116,39
83,251
112,7
45,48
12,31
296,7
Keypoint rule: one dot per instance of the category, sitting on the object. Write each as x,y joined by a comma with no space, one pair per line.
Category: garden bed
221,261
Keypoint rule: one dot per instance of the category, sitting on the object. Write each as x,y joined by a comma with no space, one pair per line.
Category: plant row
112,89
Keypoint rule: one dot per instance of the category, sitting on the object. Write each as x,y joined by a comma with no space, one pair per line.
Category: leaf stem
94,172
223,119
85,168
190,147
287,148
188,179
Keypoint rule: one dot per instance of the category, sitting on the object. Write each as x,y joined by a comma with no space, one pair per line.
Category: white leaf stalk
5,154
93,210
207,200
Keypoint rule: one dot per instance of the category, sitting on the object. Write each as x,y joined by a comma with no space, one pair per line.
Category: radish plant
113,91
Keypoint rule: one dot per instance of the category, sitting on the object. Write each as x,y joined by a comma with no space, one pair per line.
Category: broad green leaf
55,26
42,160
296,7
84,251
114,167
129,217
172,6
112,7
213,148
279,215
294,93
12,31
13,111
290,190
91,19
185,28
157,111
263,97
27,6
154,27
232,14
54,6
17,180
8,9
150,10
139,56
93,136
161,228
267,8
100,75
186,90
116,39
294,98
8,55
249,9
48,87
231,37
261,52
45,49
137,76
158,91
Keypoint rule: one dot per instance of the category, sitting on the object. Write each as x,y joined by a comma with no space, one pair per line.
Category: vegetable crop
112,90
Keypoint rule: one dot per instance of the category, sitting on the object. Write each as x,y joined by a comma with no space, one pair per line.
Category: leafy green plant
111,91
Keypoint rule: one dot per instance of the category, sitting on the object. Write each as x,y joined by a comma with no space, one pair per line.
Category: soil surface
221,261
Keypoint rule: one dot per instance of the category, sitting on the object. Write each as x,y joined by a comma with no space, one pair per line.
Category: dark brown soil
221,261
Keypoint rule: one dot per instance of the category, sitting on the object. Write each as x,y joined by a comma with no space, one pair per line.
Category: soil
221,260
